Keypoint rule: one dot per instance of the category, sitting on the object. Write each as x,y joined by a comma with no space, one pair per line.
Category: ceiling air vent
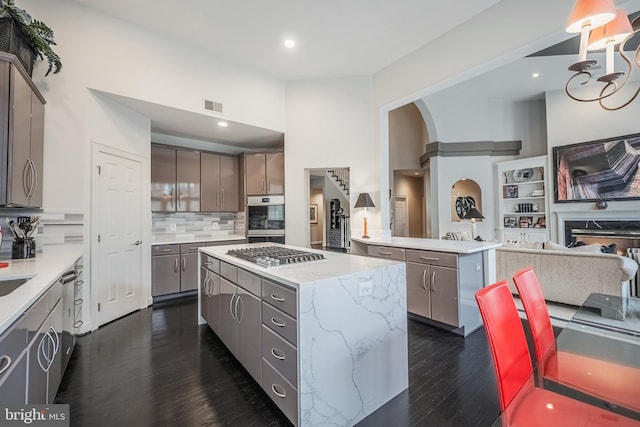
213,106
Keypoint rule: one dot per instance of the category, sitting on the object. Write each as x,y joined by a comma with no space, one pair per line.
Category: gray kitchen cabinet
220,183
21,137
418,293
174,268
444,295
165,269
45,361
13,386
163,179
227,331
175,180
209,298
188,181
264,173
239,315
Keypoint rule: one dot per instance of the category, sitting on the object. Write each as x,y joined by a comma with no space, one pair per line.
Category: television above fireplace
605,169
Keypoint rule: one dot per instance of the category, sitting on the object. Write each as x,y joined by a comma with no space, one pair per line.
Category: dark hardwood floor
157,367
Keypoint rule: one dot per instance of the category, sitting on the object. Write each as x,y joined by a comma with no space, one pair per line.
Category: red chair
521,403
600,378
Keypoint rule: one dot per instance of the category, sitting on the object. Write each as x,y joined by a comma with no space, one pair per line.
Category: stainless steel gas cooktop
270,256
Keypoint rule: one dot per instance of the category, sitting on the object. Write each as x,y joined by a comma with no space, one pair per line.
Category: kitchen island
325,338
442,276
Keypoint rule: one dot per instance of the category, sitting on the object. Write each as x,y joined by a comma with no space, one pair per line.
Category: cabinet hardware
281,394
167,250
235,308
274,353
231,309
433,281
427,258
184,265
8,359
137,243
385,253
278,322
175,265
277,298
78,324
424,279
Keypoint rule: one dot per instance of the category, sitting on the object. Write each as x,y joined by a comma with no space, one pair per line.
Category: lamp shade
613,32
473,213
364,201
590,12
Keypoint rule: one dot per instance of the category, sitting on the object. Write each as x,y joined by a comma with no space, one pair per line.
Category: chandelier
602,26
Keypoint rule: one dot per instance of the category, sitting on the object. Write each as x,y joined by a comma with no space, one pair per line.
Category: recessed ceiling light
223,124
535,75
289,43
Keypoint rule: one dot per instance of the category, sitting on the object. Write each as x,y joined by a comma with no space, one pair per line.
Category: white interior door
116,239
401,217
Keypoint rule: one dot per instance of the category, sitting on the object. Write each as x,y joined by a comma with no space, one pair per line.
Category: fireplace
623,234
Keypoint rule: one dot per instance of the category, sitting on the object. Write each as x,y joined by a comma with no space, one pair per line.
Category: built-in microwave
265,217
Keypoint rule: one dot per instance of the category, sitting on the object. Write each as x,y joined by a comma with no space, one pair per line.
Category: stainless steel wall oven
265,219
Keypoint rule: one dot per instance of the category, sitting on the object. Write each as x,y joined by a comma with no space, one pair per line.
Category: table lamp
364,201
472,215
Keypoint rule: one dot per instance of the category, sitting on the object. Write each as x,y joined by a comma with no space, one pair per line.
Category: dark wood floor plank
157,367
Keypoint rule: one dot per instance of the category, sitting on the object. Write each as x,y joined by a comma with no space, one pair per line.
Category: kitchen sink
8,286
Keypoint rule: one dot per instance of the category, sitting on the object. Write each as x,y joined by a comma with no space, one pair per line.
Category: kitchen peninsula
325,338
442,276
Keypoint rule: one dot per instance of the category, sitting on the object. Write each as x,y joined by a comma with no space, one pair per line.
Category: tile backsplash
56,228
196,225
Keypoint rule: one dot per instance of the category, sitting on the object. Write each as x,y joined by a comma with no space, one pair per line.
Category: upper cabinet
193,181
21,137
522,200
264,173
220,182
175,180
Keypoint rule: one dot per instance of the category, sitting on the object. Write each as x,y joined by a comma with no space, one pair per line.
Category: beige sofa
568,276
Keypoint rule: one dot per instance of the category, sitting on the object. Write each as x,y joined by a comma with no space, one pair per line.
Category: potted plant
18,23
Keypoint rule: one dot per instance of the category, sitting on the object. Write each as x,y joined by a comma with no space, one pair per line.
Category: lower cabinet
524,235
31,352
256,320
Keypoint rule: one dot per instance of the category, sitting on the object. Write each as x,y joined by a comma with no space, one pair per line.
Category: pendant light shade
612,33
592,13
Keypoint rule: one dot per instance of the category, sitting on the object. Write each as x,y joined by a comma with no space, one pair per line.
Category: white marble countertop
43,271
191,239
455,246
335,264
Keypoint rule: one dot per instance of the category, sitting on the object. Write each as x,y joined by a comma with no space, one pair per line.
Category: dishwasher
71,310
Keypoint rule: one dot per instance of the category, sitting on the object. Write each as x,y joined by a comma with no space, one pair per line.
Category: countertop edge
43,277
453,246
197,240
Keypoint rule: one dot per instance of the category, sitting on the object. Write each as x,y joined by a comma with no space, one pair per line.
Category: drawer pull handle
79,283
277,298
167,250
385,253
276,355
8,359
428,258
77,301
78,324
278,322
281,394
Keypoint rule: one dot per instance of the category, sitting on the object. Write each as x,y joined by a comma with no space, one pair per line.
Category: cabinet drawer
229,272
280,354
165,250
280,391
386,252
442,259
249,281
281,323
280,297
210,263
190,248
12,343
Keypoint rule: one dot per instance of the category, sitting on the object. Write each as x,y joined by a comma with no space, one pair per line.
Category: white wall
570,122
329,125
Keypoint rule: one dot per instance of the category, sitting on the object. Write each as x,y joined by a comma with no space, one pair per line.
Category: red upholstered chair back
534,305
506,338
